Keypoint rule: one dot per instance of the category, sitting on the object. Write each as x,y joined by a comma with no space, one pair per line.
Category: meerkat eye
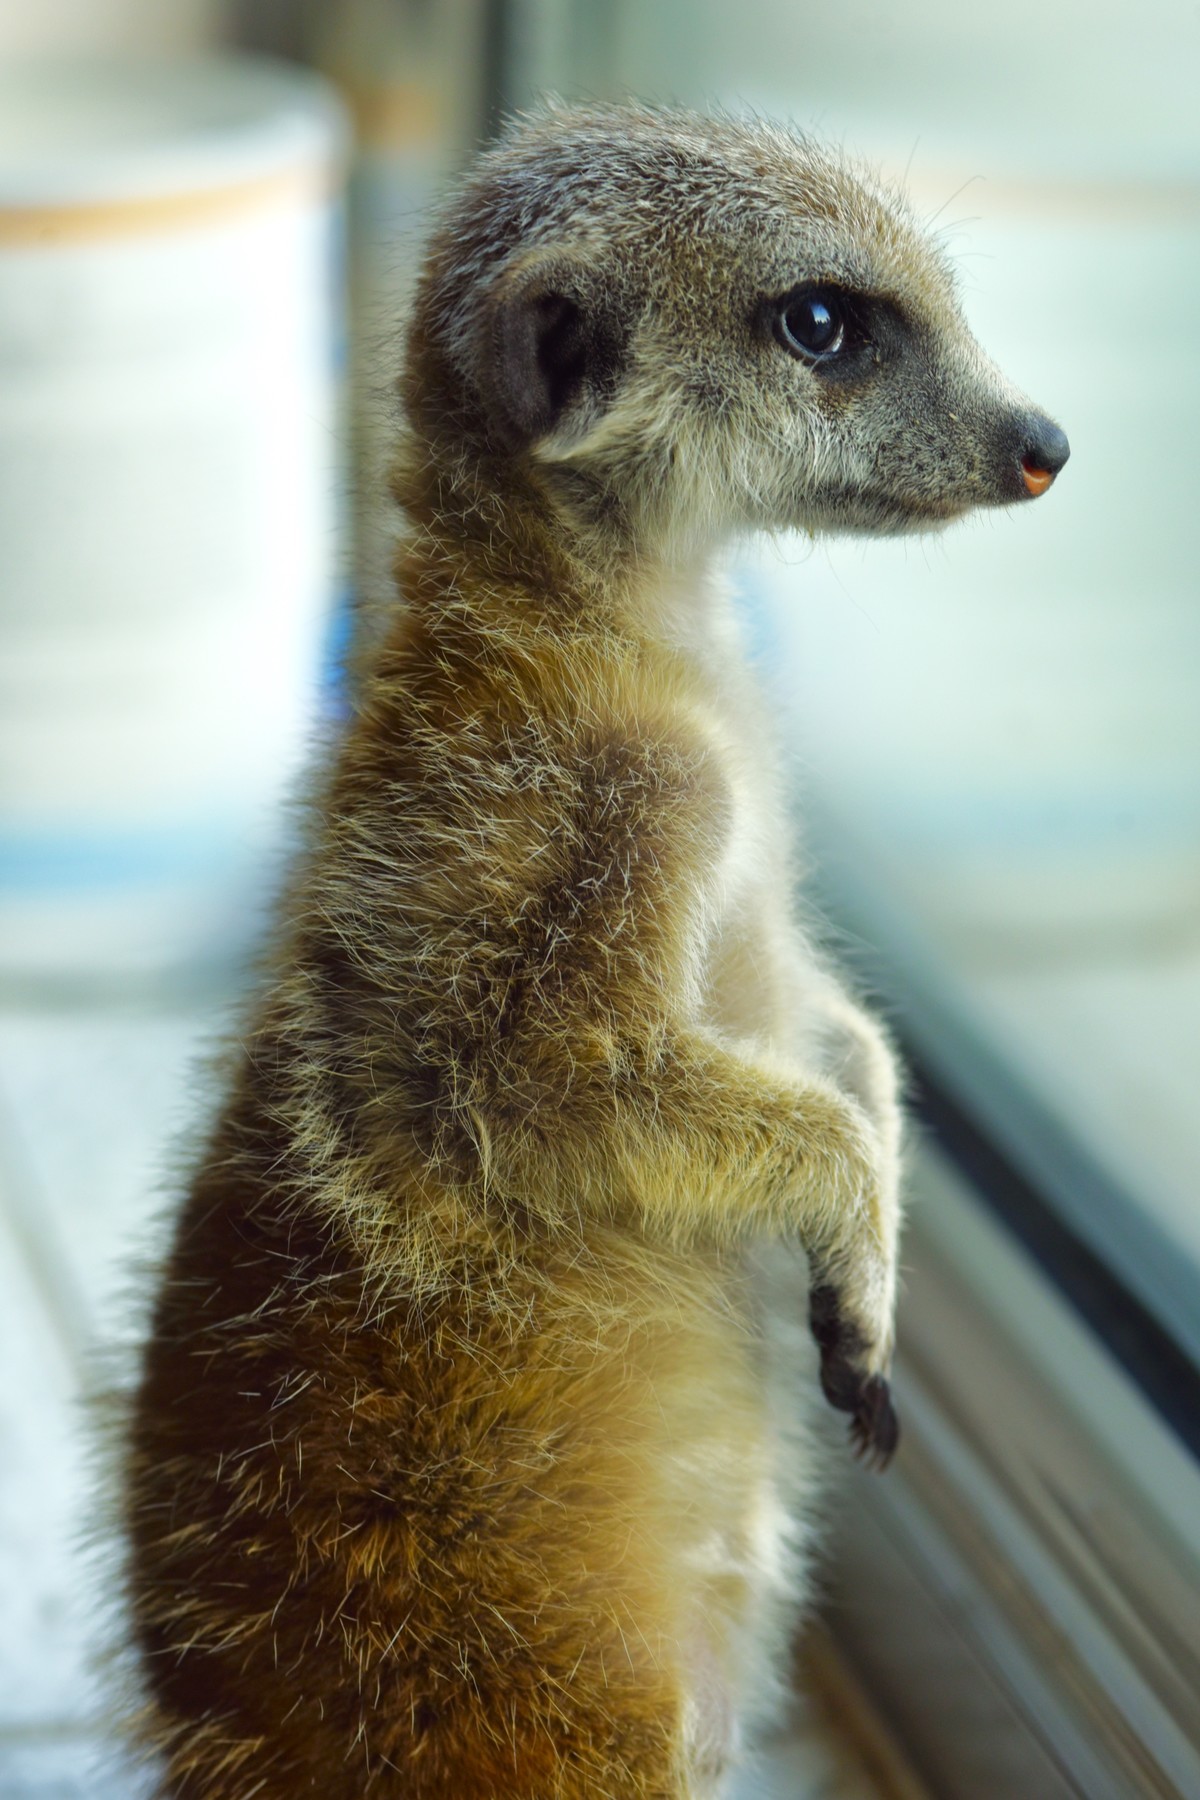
812,323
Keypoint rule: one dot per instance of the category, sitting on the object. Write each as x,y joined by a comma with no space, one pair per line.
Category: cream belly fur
758,976
733,1472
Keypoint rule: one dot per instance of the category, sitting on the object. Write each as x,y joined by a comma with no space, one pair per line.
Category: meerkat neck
487,525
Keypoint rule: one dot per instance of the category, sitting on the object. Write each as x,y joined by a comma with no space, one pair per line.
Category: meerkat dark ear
550,348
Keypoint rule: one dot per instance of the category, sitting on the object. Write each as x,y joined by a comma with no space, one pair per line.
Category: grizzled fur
466,1460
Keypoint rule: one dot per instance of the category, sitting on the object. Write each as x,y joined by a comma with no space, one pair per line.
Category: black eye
813,324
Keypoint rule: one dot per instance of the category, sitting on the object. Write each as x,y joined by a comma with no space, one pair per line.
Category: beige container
169,550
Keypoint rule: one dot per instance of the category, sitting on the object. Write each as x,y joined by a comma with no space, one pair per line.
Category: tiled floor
91,1101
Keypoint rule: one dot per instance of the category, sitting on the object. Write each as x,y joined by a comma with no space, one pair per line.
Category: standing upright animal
466,1460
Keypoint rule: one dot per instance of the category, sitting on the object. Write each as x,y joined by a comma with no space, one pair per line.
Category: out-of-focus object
168,339
413,74
97,27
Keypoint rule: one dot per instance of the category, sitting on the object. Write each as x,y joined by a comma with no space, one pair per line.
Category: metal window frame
1021,1593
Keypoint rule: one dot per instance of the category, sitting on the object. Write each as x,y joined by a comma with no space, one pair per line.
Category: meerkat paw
852,1251
851,1374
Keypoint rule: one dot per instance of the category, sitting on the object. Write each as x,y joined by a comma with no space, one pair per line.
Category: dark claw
874,1429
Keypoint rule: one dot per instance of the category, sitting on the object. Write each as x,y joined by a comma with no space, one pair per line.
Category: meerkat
469,1455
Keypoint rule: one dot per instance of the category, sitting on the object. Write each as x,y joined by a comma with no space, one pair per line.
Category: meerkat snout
1043,454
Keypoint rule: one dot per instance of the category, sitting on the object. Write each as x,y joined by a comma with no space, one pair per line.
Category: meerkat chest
747,950
752,947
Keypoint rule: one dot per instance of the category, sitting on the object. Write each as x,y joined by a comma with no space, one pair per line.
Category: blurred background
210,217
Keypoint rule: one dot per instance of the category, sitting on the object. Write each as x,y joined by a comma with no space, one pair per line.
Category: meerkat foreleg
861,1062
697,1144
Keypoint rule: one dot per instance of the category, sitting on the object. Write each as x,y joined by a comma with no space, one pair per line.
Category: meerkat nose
1043,453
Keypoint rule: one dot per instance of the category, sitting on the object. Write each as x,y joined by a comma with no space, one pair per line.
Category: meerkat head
684,325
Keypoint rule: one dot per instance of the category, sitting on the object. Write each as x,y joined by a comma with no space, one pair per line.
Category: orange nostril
1036,480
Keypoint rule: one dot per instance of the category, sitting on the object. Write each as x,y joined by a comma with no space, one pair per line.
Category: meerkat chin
557,1171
